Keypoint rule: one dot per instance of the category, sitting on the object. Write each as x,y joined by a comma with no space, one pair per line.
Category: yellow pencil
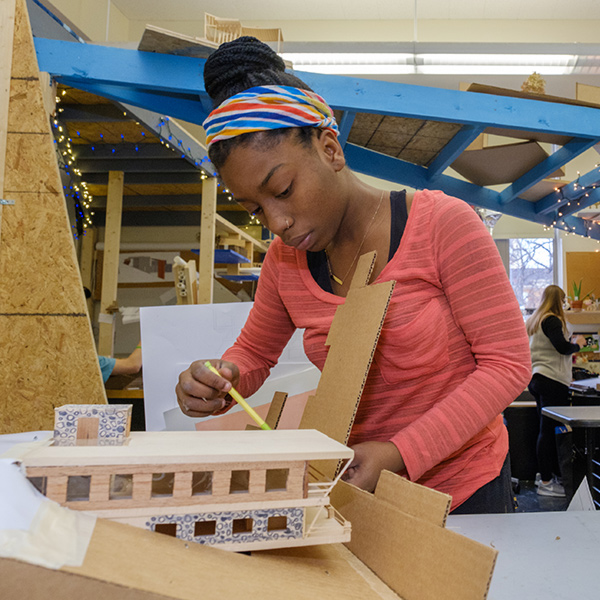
240,400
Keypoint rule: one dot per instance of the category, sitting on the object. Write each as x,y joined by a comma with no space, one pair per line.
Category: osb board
585,267
418,559
500,164
144,560
163,41
47,355
38,269
26,64
413,140
26,104
42,366
352,339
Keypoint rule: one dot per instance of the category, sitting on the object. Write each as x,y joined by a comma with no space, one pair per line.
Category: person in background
551,366
121,366
431,412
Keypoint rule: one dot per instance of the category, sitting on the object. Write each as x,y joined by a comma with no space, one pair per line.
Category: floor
529,501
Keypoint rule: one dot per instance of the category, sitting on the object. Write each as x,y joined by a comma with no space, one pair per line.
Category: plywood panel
47,354
42,366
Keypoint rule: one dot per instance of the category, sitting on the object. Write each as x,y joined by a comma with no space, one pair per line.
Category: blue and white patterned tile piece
113,420
224,525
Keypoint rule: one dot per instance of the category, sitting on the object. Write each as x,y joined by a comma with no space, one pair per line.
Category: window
240,482
240,526
205,528
277,523
162,484
166,528
39,483
202,483
78,488
276,480
531,270
121,487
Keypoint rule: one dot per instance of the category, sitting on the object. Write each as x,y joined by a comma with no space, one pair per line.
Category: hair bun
237,65
244,63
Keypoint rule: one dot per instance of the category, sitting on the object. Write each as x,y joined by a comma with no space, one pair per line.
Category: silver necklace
334,277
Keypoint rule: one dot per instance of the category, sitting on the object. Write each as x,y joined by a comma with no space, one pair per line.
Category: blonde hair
552,304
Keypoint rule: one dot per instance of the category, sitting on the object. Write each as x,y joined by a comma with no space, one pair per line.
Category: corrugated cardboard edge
414,499
333,408
419,560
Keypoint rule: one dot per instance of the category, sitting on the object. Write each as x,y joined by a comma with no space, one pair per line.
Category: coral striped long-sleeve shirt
452,354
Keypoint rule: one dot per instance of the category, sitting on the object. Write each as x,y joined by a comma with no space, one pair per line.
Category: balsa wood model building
239,490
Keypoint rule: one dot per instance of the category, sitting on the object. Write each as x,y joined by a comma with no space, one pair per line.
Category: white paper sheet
175,336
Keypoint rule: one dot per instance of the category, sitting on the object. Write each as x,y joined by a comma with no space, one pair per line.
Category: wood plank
222,224
207,241
7,27
110,267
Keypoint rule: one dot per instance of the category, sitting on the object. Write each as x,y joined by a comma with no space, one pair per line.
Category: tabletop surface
575,416
549,555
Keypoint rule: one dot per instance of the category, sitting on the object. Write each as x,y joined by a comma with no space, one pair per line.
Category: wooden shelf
583,317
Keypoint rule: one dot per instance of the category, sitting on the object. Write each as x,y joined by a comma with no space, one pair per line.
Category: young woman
552,363
453,352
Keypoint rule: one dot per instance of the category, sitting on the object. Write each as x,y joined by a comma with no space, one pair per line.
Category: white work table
543,555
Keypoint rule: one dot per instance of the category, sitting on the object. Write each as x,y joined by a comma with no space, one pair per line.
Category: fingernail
227,387
223,403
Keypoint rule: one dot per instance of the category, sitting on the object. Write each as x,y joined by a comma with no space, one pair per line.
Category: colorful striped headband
268,107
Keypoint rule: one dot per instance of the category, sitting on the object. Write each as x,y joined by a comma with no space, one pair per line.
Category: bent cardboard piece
417,558
141,565
352,340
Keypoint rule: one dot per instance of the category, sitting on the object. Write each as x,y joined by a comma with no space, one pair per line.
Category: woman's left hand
370,458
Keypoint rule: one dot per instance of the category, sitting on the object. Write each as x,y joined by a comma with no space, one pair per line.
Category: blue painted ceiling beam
404,173
175,105
345,125
173,85
168,73
544,169
454,148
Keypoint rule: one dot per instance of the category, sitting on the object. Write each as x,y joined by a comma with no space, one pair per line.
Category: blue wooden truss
173,85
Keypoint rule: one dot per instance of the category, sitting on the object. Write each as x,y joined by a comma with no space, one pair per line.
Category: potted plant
577,299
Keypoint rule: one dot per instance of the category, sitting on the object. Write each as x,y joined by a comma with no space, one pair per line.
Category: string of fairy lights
568,206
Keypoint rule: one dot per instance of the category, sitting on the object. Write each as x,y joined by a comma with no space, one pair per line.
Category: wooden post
86,262
7,27
206,265
47,352
110,267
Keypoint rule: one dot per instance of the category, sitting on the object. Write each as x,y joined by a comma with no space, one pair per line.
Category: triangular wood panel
47,352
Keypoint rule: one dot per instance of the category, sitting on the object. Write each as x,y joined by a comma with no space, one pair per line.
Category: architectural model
240,490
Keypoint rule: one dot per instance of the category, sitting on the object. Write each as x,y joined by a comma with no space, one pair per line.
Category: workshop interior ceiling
410,135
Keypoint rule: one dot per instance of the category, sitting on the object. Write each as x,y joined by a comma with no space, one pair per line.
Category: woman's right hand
580,341
200,392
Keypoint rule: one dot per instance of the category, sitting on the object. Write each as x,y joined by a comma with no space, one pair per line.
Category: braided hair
241,64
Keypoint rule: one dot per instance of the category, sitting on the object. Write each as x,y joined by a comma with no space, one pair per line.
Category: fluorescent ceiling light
432,64
491,70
